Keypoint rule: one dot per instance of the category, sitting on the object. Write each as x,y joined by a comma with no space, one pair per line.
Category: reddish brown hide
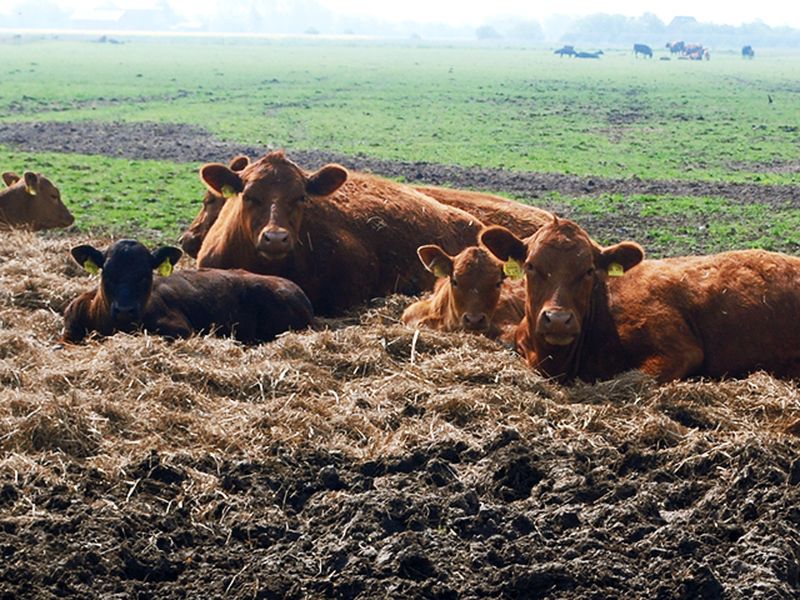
193,237
252,308
343,239
522,220
32,202
713,316
471,294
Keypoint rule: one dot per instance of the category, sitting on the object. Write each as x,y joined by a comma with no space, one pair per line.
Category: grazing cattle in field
694,51
592,312
343,239
565,51
193,237
642,49
596,54
523,220
252,308
748,52
471,294
676,47
32,202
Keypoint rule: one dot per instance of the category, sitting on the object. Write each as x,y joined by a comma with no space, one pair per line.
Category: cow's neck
565,363
14,207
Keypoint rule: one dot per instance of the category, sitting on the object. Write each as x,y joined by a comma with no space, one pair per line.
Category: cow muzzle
474,321
275,243
124,314
558,327
191,242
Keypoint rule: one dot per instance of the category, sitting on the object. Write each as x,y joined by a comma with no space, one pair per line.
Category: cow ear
88,257
10,178
220,179
238,163
619,258
327,180
503,244
164,259
436,260
31,182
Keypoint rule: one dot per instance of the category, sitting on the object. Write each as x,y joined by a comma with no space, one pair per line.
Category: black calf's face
126,277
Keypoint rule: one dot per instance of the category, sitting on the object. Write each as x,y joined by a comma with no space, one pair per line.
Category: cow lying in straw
592,312
252,308
471,294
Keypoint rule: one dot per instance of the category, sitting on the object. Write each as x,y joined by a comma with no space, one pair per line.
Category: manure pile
361,460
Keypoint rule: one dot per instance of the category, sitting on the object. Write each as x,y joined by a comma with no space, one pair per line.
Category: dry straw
364,386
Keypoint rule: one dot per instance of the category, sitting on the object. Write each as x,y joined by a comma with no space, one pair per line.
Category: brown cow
471,294
715,316
520,219
32,202
193,237
343,239
252,308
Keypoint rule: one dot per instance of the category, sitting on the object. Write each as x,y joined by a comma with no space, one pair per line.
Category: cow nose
123,313
556,318
276,237
474,320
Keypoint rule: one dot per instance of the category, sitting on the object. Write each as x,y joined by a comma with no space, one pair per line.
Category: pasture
362,459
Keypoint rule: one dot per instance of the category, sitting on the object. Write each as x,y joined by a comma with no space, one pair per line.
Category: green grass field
524,110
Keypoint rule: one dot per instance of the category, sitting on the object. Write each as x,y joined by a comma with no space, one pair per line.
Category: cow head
193,237
562,265
475,279
126,275
38,200
273,191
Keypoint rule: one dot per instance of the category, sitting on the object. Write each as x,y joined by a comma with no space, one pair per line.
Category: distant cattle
252,308
32,202
565,51
596,54
344,239
193,237
676,47
695,52
748,52
592,312
642,49
471,294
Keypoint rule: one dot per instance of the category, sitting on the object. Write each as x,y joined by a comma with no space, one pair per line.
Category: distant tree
487,32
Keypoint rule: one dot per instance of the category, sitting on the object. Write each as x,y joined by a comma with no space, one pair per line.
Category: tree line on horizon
310,17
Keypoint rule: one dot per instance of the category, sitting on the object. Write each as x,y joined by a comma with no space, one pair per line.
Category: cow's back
234,302
740,307
520,219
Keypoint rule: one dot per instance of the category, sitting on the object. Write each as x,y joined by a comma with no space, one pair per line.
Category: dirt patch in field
184,143
330,463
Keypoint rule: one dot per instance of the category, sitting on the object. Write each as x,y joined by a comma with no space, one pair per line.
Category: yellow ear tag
165,268
513,269
30,190
91,266
439,270
616,270
228,191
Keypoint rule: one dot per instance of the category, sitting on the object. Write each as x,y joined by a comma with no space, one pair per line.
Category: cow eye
590,272
453,282
499,283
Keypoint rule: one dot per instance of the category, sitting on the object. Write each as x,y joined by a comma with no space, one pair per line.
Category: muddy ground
364,460
184,143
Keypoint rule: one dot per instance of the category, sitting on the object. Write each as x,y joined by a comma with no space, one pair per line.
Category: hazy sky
475,12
